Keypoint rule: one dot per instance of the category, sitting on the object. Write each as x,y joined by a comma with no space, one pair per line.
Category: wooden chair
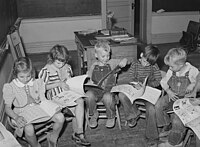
15,44
100,106
41,130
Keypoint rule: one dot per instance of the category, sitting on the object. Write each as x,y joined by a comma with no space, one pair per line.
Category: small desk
85,48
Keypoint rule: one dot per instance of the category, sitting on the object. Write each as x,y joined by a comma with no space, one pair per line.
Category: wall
168,26
39,35
5,76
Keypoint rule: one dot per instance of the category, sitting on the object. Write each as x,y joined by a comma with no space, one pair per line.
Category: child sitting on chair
145,67
97,71
54,74
25,90
179,81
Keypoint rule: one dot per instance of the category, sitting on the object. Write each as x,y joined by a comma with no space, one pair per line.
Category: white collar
20,84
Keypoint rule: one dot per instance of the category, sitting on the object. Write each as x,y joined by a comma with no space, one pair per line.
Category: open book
77,86
6,138
188,110
145,92
39,112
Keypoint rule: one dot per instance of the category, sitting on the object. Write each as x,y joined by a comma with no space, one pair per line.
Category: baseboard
166,38
42,47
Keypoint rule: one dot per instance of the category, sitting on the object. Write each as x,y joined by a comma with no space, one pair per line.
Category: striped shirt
50,74
138,73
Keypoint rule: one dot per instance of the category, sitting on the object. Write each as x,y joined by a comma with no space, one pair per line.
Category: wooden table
85,48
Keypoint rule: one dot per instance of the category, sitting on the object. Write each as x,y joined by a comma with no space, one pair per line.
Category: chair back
15,44
194,29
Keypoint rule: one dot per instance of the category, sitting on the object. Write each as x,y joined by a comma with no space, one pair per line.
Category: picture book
188,110
41,112
147,93
77,89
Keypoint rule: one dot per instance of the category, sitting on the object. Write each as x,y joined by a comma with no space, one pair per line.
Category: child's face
58,64
24,77
144,61
175,67
103,56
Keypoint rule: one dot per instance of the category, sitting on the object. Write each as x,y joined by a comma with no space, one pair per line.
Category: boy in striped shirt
139,70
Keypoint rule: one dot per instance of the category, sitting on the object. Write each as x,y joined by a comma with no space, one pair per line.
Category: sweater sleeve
156,77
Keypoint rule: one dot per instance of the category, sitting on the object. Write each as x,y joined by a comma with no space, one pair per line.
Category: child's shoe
110,123
93,122
133,121
80,139
175,138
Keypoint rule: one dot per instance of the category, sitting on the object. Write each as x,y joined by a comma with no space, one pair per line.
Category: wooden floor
101,136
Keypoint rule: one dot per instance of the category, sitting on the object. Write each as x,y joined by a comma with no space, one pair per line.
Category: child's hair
176,55
23,64
102,46
151,53
58,52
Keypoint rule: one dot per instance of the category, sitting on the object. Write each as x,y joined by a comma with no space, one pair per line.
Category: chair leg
187,139
118,117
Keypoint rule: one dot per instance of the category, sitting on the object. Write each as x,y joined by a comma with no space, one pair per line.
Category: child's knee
29,130
59,117
80,101
108,98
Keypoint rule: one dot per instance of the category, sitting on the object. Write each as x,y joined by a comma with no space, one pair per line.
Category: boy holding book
145,67
97,71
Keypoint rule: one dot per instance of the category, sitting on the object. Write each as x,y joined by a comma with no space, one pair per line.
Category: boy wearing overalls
97,71
179,80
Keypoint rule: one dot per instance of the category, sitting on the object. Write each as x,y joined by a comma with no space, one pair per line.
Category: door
123,13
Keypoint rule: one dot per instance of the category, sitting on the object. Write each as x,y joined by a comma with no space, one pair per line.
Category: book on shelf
145,92
35,113
188,110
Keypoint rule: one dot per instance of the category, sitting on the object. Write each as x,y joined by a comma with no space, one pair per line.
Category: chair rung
139,103
141,109
101,110
142,116
102,116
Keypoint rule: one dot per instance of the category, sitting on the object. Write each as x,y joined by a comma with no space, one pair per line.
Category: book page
76,83
39,112
195,126
7,139
34,113
186,110
67,98
130,91
50,107
151,95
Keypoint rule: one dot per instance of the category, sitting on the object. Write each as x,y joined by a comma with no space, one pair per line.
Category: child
54,74
139,70
16,93
179,81
96,72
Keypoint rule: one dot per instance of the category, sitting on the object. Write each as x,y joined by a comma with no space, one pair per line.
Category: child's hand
64,86
172,95
123,62
192,94
21,122
190,88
